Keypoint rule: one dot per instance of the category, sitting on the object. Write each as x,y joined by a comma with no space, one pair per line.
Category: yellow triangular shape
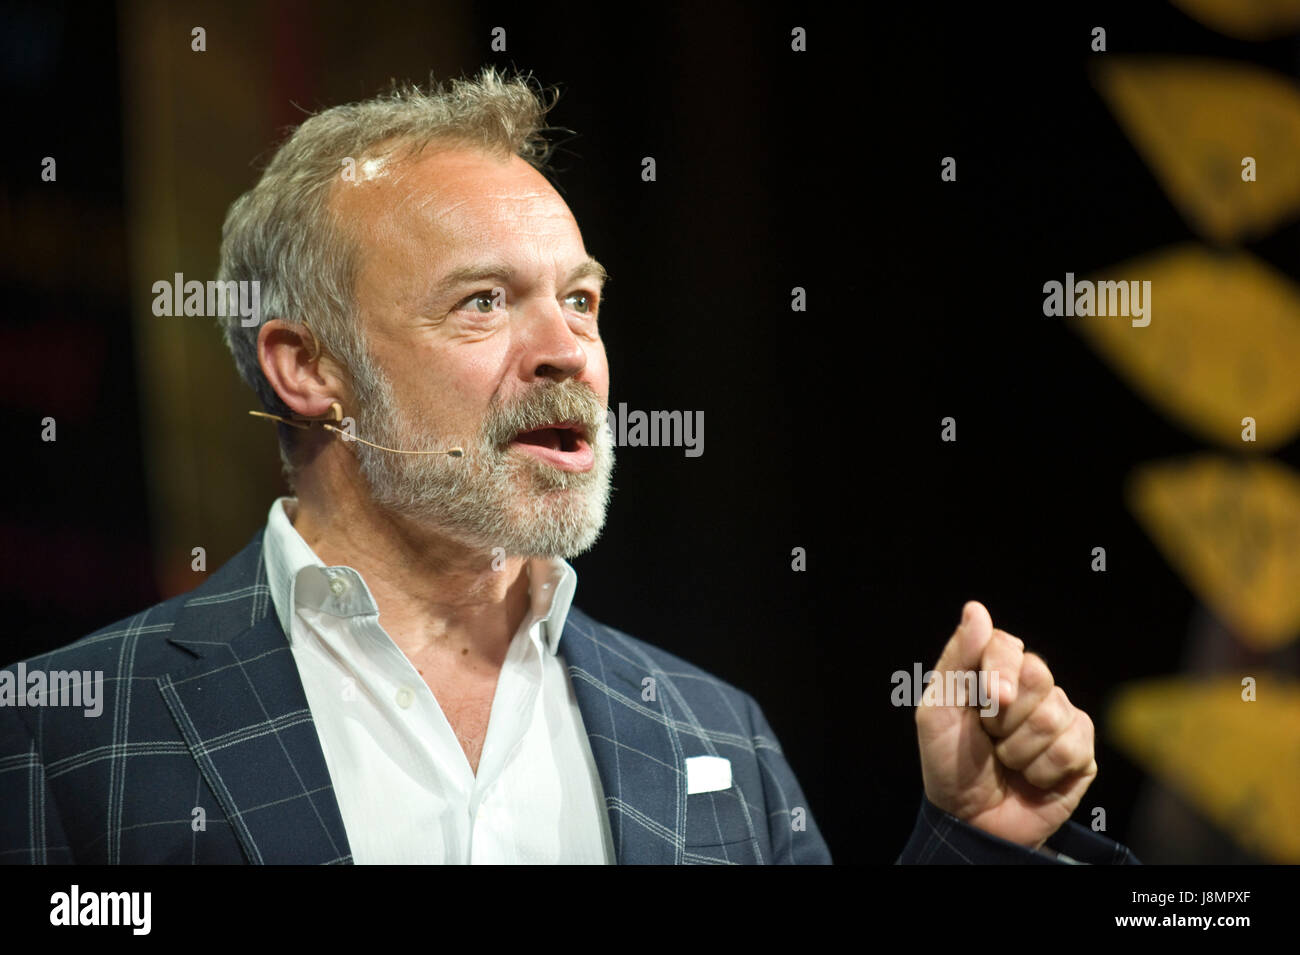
1223,343
1194,121
1236,762
1256,20
1232,531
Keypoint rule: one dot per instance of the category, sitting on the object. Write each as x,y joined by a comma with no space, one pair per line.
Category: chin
563,535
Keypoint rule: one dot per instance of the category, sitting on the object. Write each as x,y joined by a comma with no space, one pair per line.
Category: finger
1033,684
1000,667
966,646
1071,754
1052,718
961,654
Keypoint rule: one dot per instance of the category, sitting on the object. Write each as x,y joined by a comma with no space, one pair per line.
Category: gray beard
490,497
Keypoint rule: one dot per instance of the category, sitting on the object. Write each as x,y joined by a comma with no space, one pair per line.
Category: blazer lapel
637,753
242,711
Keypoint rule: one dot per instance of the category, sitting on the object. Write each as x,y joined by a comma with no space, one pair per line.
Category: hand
1018,774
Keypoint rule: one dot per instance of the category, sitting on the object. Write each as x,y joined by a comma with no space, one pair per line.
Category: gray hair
284,235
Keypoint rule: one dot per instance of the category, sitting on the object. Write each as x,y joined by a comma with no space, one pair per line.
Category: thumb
965,648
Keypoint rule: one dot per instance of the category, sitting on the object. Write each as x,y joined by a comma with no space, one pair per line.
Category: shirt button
337,586
405,697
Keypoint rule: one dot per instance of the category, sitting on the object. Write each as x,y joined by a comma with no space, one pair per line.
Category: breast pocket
715,819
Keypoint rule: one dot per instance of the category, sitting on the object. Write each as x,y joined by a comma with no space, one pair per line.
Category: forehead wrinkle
441,186
468,212
413,211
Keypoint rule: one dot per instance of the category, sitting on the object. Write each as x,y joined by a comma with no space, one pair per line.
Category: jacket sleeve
31,832
795,837
941,838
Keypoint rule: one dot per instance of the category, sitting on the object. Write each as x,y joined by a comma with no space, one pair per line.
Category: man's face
479,304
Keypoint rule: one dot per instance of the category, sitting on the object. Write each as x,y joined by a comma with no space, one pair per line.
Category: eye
584,302
481,302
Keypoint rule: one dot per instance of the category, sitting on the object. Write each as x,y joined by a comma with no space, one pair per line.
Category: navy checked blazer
203,708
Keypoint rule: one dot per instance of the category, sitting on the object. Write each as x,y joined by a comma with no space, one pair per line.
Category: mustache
548,404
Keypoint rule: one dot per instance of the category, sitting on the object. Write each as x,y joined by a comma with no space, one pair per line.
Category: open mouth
557,437
563,445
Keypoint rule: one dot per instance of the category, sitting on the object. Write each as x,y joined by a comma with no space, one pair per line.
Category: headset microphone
334,416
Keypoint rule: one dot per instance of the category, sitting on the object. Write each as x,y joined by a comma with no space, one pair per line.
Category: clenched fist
1019,770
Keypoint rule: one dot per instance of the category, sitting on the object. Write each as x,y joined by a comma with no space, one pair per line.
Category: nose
552,350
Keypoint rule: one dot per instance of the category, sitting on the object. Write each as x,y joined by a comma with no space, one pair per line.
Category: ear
306,379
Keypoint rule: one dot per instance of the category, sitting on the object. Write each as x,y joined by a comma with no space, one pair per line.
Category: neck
438,598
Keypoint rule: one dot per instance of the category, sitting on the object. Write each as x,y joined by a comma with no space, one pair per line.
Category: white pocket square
707,774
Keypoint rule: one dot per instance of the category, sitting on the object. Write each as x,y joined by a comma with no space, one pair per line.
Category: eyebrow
504,274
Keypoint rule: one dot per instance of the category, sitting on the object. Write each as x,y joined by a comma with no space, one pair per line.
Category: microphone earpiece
334,416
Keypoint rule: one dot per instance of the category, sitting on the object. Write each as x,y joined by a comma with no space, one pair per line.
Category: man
393,670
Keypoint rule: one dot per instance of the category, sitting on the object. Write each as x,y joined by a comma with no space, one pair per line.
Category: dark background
775,170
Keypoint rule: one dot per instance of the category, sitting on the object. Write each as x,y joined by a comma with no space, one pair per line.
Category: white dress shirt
403,783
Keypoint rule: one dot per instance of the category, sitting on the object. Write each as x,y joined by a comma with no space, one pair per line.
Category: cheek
597,374
453,393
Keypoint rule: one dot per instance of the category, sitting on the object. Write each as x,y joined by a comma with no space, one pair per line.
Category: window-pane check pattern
205,720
